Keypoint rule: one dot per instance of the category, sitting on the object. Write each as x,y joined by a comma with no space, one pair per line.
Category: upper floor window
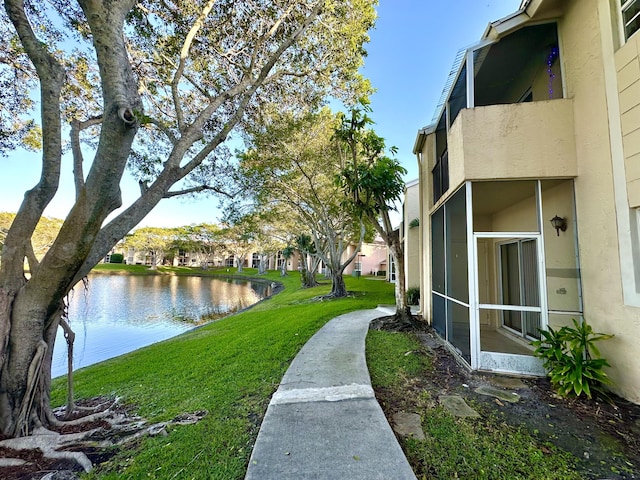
440,174
630,16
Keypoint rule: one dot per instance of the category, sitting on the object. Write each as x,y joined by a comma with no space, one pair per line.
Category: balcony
533,140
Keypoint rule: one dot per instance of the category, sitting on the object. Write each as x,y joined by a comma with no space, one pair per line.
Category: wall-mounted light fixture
559,223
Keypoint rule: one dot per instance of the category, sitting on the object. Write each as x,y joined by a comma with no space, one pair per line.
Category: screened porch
501,272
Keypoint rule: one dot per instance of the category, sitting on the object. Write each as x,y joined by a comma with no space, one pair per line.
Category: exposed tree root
333,296
397,323
21,426
107,425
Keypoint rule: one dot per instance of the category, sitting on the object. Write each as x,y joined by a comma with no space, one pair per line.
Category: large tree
157,87
309,260
373,186
239,236
293,162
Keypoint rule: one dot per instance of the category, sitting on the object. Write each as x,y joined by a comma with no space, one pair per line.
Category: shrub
572,359
413,295
116,258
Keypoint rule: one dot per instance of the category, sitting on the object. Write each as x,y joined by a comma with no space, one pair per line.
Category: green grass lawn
229,368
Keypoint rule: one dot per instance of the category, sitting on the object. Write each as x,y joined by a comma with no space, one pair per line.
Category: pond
116,314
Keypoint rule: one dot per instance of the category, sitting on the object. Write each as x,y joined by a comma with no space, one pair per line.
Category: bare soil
603,435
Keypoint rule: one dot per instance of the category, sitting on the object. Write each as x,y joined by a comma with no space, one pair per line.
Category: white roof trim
420,136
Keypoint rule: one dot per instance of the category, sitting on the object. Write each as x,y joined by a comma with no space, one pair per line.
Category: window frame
622,8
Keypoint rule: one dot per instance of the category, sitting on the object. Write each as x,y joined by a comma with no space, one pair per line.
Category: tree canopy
292,162
156,88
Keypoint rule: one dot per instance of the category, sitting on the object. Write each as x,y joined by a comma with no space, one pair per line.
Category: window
630,16
440,174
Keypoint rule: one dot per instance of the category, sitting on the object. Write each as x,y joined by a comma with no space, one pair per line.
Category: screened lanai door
509,277
512,317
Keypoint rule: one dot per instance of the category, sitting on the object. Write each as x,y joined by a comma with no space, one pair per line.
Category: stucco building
371,260
538,121
411,233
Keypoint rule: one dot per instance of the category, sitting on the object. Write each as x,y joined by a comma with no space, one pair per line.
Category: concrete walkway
324,422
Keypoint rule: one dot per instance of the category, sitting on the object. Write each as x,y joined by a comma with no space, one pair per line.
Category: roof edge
421,137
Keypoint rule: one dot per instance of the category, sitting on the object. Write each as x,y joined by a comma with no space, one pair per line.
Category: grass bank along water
229,368
116,314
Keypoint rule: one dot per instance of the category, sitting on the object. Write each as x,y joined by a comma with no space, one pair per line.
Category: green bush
413,295
572,359
116,258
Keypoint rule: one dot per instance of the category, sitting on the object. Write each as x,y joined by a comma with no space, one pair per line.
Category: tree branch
200,188
184,54
51,75
76,127
172,173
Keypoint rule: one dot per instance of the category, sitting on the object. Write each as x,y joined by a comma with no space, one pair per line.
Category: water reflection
116,314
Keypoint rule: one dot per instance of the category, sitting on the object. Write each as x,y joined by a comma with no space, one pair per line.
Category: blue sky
409,57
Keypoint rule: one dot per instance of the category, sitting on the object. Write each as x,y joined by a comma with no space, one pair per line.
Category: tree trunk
30,311
283,268
308,276
26,374
70,337
338,288
403,310
262,265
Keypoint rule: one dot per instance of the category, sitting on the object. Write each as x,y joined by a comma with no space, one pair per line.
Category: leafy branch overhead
156,88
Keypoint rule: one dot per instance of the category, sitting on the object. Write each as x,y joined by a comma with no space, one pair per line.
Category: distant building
411,233
371,260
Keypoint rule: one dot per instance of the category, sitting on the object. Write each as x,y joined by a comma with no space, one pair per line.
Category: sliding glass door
520,286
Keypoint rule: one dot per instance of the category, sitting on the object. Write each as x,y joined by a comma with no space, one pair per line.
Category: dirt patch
603,436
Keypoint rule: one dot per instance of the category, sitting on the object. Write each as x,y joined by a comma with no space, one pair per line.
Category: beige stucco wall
412,235
562,275
520,217
628,71
425,159
526,140
583,60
